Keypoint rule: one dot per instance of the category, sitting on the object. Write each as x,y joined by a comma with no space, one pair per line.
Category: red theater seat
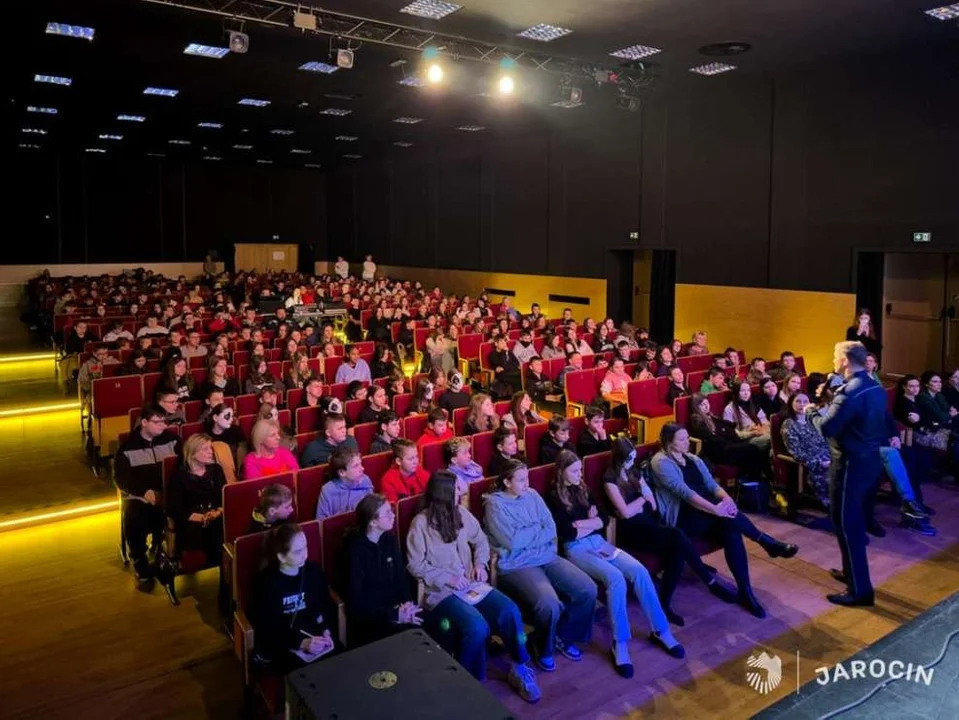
240,498
532,437
459,421
352,410
334,530
483,449
541,477
364,434
413,426
580,390
376,465
401,404
304,439
406,510
432,457
307,486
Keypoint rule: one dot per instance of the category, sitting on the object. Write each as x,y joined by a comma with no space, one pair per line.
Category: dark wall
754,181
94,209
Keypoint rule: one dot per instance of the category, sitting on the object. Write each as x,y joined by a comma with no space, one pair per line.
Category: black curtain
662,296
869,275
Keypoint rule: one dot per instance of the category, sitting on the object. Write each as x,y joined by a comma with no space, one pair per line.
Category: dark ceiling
140,43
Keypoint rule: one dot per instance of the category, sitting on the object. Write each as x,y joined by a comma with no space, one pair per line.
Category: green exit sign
922,237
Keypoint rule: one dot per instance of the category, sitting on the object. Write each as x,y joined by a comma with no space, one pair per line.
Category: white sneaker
523,681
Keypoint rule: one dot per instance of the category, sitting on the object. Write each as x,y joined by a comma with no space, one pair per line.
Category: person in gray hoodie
348,484
522,535
459,458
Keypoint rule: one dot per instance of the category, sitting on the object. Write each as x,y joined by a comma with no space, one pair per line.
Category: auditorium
480,359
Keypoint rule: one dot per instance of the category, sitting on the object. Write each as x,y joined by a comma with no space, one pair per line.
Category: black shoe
676,651
719,589
673,618
848,600
749,601
876,530
913,510
625,670
143,570
926,509
838,575
920,525
775,548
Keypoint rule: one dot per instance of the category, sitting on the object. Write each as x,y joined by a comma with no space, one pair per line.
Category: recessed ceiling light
156,154
949,12
163,92
300,151
53,79
43,110
403,143
412,81
110,137
96,150
433,9
471,128
319,67
210,125
635,52
212,157
131,118
713,68
340,112
312,165
242,147
303,104
208,51
280,131
29,146
34,131
179,142
265,162
254,102
408,120
77,31
347,138
544,33
353,157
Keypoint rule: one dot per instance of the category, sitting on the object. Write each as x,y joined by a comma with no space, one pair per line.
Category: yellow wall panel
528,288
266,256
765,322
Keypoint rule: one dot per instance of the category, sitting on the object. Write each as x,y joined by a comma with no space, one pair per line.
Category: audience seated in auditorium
455,396
292,609
698,346
176,378
807,445
259,377
136,364
580,524
602,341
553,347
613,385
506,370
574,343
691,500
664,361
642,371
459,460
863,331
388,429
217,378
715,381
594,438
268,411
378,328
171,405
722,444
439,351
555,439
677,385
575,363
770,401
299,373
355,367
319,450
437,428
523,535
787,364
138,473
274,507
951,389
449,553
523,350
405,477
376,402
423,400
521,413
212,396
92,370
756,372
505,449
348,483
378,602
482,416
744,412
382,364
267,455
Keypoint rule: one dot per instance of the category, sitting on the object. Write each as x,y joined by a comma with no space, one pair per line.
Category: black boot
913,510
775,548
749,601
875,529
719,589
920,524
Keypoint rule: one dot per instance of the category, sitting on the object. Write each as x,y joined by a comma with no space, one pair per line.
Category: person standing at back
858,421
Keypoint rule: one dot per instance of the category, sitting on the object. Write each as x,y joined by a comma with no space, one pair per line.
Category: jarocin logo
764,672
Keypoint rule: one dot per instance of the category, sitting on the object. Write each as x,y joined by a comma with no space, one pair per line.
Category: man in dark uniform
857,420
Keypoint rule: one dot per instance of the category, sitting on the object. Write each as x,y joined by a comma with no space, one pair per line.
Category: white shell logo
764,672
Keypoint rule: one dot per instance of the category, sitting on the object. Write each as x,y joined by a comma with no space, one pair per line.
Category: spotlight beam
280,13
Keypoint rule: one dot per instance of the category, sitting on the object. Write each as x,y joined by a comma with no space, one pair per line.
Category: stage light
338,112
27,358
506,85
56,515
36,409
131,118
106,136
253,102
162,92
41,110
434,73
77,31
242,147
53,79
210,125
208,51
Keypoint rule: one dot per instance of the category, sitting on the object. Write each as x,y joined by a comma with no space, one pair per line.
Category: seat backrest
459,421
681,408
406,510
419,337
376,465
304,439
364,434
352,410
431,457
589,361
614,426
114,396
401,403
485,349
246,423
541,477
775,434
646,451
413,426
366,347
338,390
718,401
307,419
334,530
483,449
308,484
469,346
192,410
247,554
594,467
478,488
532,437
188,429
553,367
501,407
800,365
576,427
246,404
240,498
150,382
330,366
580,386
641,396
694,379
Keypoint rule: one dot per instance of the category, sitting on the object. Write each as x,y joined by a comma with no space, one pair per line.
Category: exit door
920,329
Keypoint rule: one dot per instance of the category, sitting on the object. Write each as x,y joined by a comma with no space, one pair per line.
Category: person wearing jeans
580,524
448,552
560,596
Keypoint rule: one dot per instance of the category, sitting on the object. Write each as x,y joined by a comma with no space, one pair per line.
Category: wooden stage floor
82,641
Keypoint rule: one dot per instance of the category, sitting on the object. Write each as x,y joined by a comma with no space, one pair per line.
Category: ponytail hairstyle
277,542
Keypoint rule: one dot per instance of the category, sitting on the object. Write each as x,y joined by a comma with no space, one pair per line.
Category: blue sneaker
569,650
546,663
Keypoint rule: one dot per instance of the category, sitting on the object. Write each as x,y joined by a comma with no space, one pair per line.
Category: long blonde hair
476,418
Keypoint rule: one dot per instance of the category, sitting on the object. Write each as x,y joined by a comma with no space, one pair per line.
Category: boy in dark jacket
556,439
593,439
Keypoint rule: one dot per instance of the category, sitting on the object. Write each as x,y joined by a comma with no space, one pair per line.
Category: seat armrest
420,592
243,641
340,616
575,409
696,444
493,568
